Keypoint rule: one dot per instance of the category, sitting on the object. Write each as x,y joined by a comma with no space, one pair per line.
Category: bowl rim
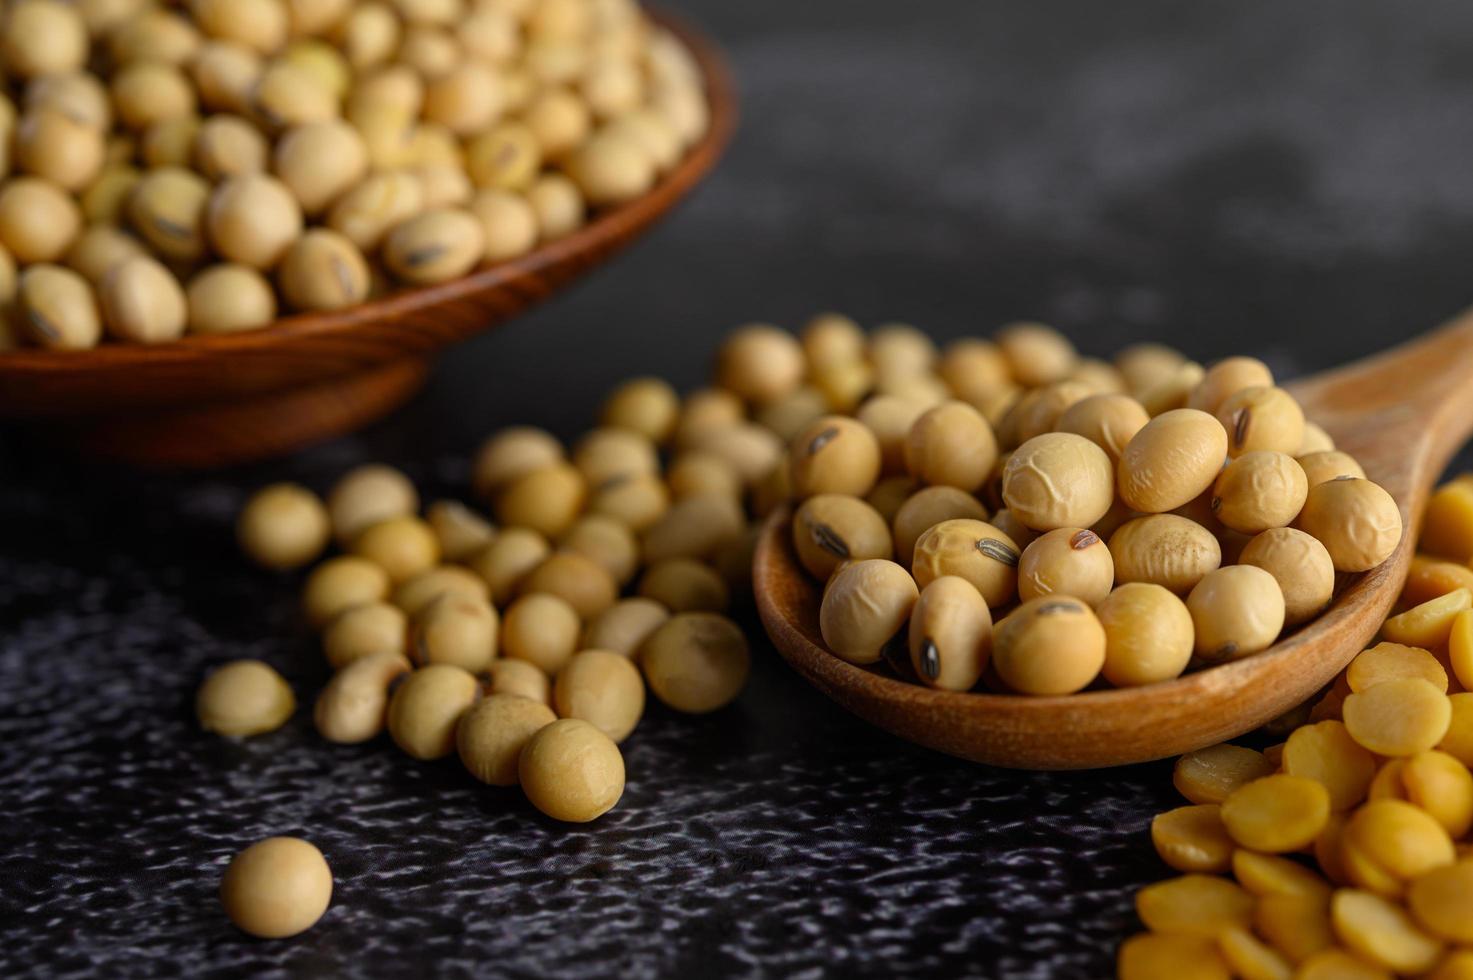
622,221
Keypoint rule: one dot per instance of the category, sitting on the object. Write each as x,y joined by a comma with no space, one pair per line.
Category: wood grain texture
114,397
1403,414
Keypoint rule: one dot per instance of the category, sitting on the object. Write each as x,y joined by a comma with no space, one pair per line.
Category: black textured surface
1284,179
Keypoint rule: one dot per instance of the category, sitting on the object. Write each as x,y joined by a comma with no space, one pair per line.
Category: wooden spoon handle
1404,412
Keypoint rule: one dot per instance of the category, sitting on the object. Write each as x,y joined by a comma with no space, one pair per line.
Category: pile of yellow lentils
1343,852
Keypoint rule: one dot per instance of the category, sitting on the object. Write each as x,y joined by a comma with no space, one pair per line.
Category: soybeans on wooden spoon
1402,413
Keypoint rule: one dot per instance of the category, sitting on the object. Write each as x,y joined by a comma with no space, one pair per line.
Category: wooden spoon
1402,414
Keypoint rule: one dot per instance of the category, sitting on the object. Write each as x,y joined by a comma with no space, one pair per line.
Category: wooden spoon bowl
217,400
1402,414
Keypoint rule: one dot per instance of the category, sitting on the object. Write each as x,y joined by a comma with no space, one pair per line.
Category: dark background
1291,180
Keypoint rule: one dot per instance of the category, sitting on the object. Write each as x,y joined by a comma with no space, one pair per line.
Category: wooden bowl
215,400
1402,414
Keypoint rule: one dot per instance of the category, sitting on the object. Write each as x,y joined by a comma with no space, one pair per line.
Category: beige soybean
1066,561
41,37
518,678
282,526
458,630
242,698
508,156
788,416
318,161
1039,410
1236,611
508,222
611,168
602,688
695,473
864,606
926,508
354,705
951,445
608,543
427,706
950,637
363,629
227,145
436,245
1166,550
696,662
65,151
835,455
972,368
558,205
508,559
1357,521
571,771
365,213
1049,646
277,887
253,219
142,302
224,75
513,453
974,550
149,92
547,500
38,220
648,406
366,495
608,454
167,208
1109,421
341,583
890,419
695,527
461,531
685,585
1148,634
1037,354
1171,460
748,448
57,308
1322,467
77,95
540,629
704,411
105,198
577,579
624,626
227,298
1301,566
1262,418
1226,378
323,270
832,528
492,734
759,362
1058,480
404,546
1258,491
